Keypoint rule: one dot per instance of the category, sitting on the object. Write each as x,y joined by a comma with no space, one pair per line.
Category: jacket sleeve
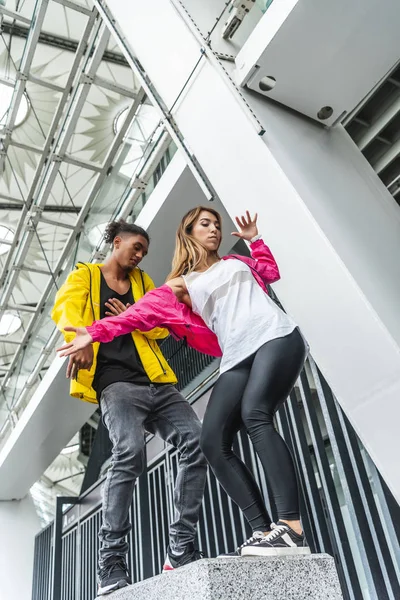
263,262
158,333
70,302
143,315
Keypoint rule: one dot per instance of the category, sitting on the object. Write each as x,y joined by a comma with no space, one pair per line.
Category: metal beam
40,193
61,110
52,208
60,42
77,102
114,87
17,201
22,308
43,83
394,82
381,122
24,246
144,175
356,110
22,74
84,164
395,182
74,6
67,249
392,153
8,82
30,269
26,147
166,117
56,223
14,15
72,110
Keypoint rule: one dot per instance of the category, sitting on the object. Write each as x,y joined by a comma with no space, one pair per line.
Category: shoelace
277,531
108,569
256,537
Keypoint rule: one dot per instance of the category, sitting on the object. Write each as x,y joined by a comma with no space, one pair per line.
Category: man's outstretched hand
81,341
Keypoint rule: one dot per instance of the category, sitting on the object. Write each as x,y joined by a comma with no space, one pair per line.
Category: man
133,384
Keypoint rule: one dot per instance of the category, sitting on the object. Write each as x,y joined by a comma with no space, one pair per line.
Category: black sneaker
173,561
281,540
113,576
257,537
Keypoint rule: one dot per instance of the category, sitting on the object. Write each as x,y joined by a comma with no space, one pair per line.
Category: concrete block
296,577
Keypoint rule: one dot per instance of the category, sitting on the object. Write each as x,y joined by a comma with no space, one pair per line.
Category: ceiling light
9,323
96,233
6,235
5,101
119,119
143,124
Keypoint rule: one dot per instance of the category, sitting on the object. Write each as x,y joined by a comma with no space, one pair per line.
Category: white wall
336,278
50,420
18,526
175,194
346,198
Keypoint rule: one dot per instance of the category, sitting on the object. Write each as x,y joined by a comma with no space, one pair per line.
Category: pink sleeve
140,316
263,262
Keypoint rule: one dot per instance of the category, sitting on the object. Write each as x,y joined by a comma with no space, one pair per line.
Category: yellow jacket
78,304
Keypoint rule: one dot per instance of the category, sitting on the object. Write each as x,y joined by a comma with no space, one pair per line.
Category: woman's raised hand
247,227
81,340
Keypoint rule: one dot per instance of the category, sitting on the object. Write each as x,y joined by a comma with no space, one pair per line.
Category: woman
263,353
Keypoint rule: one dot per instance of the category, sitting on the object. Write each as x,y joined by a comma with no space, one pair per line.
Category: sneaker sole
112,588
168,569
254,551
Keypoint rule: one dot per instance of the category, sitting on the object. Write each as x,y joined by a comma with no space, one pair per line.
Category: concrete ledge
311,577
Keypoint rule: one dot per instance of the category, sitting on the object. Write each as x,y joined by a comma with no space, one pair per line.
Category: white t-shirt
236,309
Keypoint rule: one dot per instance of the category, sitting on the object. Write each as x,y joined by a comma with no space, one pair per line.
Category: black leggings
250,394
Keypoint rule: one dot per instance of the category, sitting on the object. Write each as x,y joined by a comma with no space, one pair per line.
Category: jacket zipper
91,304
159,361
144,291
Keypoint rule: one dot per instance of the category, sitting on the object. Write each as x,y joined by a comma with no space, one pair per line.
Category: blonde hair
189,253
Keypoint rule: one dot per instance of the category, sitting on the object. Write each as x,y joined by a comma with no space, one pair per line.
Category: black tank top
117,360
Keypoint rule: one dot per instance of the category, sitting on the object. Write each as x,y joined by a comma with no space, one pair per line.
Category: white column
19,524
331,224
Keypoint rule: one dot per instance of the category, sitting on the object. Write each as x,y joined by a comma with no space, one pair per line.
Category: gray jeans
128,411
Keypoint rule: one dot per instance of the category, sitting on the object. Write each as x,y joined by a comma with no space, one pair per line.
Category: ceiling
76,130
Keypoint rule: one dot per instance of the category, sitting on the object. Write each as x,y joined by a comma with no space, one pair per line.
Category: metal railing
347,510
185,362
43,564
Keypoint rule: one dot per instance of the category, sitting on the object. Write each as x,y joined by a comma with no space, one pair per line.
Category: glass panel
264,4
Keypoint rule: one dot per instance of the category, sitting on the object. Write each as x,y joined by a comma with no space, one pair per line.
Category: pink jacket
160,308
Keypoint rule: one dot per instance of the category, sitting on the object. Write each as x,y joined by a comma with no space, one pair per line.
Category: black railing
43,564
347,511
186,362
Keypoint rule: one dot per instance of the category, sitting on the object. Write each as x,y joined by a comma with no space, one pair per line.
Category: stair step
296,577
